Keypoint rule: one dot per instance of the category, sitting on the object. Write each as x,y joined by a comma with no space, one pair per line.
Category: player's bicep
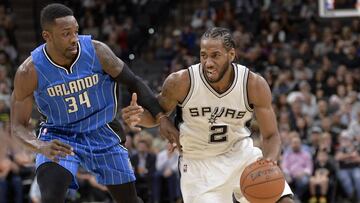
174,90
260,97
110,63
25,83
21,109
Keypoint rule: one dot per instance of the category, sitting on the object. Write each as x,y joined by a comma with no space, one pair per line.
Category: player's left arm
259,94
121,73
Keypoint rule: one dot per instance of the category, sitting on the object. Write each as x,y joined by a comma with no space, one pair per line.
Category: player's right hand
55,149
131,114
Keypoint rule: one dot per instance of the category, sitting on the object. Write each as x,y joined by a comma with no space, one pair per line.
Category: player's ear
232,54
46,35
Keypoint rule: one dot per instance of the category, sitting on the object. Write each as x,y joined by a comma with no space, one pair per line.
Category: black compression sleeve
146,97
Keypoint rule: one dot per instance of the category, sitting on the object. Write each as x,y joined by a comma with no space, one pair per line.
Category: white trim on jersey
245,83
116,136
191,90
115,99
40,131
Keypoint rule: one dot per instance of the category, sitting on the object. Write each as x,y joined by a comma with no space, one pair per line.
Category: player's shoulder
26,69
178,78
255,80
103,51
25,81
98,46
177,84
180,75
96,43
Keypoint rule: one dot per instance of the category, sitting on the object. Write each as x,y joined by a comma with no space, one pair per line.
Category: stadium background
312,65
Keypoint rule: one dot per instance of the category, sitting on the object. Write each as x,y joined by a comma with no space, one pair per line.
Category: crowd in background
311,64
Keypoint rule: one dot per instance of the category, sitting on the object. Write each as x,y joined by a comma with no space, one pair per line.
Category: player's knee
53,181
51,194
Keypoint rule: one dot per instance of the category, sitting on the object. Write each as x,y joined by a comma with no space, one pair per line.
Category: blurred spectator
6,63
129,144
203,17
4,112
89,189
321,179
327,144
5,167
276,34
113,44
297,166
7,25
166,52
13,162
166,177
354,127
90,28
349,161
34,193
144,162
314,140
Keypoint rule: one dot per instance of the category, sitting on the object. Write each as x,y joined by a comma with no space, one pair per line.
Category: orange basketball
262,182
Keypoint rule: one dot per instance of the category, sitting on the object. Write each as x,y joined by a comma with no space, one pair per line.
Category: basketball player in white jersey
214,100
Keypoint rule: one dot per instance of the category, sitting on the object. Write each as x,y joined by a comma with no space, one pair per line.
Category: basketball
262,182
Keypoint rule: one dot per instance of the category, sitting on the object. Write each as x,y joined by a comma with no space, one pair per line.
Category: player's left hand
131,114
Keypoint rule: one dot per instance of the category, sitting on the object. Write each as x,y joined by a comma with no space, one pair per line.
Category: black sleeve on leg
146,97
53,181
124,193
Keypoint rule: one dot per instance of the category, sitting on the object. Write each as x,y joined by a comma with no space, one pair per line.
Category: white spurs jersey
210,123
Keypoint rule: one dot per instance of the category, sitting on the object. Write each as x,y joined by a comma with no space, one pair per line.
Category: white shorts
216,179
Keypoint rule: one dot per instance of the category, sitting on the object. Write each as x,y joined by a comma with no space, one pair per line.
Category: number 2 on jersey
218,133
83,99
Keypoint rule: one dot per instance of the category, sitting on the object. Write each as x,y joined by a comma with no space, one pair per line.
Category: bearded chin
224,69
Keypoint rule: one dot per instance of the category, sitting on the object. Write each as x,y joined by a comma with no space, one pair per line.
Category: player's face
215,59
63,35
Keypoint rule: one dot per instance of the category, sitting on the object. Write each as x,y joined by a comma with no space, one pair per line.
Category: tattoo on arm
110,63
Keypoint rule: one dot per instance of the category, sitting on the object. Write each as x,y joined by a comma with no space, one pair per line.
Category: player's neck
57,57
225,82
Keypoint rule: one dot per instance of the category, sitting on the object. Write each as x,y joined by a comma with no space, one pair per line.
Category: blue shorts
98,151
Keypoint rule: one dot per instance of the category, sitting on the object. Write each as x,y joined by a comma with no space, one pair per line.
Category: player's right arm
25,83
174,91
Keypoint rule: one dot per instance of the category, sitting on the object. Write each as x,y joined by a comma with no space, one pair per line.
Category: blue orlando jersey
79,99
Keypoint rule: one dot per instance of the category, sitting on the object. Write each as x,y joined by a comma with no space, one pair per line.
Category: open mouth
210,72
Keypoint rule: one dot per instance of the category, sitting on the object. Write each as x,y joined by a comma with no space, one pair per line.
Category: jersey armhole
246,97
191,90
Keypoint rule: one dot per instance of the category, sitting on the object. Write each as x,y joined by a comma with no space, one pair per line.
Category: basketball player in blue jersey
73,81
214,99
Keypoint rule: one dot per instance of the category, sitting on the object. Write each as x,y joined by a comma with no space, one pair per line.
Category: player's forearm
271,147
147,120
147,99
26,137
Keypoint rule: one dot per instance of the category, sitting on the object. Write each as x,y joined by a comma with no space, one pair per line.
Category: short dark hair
223,34
52,11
